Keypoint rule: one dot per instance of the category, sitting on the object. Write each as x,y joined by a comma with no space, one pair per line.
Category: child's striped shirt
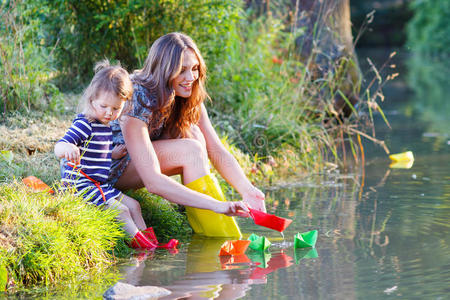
94,140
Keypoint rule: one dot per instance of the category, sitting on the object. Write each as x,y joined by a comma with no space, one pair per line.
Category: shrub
125,30
25,64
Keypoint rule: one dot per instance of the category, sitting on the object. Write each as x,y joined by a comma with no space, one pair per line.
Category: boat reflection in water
208,275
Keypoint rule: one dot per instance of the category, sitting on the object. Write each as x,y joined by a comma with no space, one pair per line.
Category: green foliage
429,29
266,102
125,30
25,64
429,64
3,276
52,239
165,218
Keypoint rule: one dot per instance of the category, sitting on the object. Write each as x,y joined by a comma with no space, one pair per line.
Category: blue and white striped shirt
94,140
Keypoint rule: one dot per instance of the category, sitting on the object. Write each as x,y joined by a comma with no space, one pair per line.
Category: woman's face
183,82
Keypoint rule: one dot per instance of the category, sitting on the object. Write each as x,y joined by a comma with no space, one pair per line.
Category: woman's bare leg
176,156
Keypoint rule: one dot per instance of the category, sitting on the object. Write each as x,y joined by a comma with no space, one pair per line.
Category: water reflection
207,275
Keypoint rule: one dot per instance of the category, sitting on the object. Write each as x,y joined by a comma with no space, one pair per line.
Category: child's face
107,107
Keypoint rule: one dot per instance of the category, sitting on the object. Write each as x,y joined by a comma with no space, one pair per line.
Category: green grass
167,219
48,239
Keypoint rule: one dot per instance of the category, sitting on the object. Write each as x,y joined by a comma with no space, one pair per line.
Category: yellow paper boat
402,164
404,156
206,222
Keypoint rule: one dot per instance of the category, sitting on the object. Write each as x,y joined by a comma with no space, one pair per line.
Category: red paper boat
235,247
269,221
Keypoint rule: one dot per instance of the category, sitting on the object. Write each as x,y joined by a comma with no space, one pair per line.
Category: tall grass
25,64
49,239
269,104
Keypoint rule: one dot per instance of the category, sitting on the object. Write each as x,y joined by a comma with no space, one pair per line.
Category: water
383,232
384,235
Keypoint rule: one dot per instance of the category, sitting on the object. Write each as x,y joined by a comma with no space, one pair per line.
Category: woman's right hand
233,209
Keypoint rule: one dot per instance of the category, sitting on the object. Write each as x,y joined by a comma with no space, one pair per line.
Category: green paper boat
300,254
305,239
258,242
261,257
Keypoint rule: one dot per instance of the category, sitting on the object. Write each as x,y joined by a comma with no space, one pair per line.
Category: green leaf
3,277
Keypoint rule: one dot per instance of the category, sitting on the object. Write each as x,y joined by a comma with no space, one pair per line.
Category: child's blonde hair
108,78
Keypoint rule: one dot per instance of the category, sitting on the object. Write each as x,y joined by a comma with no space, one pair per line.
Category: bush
125,30
25,64
429,64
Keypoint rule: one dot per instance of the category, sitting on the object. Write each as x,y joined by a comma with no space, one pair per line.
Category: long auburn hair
163,64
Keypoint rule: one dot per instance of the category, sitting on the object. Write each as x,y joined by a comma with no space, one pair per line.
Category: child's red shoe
150,234
172,244
141,242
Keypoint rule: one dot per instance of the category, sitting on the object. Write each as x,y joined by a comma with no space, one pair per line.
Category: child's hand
119,151
71,152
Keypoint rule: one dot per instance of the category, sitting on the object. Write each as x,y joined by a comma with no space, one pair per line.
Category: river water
383,232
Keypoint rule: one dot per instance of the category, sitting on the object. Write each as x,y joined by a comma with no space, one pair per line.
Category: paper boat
37,184
404,156
258,242
407,164
305,239
270,221
300,254
235,247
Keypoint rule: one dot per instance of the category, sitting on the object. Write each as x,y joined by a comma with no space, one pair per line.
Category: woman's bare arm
228,166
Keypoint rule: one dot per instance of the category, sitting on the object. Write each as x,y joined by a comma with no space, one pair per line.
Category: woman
167,131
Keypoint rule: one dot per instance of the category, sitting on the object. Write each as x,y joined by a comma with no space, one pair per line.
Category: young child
87,151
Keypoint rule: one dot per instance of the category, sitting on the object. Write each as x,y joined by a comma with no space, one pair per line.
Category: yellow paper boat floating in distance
404,160
404,156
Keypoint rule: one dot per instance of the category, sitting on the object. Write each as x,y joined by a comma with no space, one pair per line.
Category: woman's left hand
119,151
255,199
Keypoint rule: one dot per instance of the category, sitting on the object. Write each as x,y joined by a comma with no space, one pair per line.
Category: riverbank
48,240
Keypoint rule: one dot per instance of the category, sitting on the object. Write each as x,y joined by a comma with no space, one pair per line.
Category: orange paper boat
235,247
269,221
37,184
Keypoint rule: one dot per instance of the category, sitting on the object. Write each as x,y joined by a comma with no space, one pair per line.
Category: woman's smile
188,75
